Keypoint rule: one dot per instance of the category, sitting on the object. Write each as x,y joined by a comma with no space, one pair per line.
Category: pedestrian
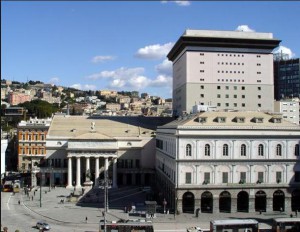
86,219
19,202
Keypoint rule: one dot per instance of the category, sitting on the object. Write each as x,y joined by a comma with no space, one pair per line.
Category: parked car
194,229
42,225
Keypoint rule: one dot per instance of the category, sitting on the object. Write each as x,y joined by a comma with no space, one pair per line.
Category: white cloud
166,67
183,3
284,50
138,82
179,3
121,73
161,81
132,78
84,87
245,28
54,80
98,59
117,83
155,51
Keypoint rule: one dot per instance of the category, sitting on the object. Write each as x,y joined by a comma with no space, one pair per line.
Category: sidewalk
71,213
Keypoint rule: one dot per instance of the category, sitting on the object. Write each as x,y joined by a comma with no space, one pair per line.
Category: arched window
243,150
297,150
278,150
207,150
225,150
188,151
261,150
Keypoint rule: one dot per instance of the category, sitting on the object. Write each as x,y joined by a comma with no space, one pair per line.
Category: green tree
39,108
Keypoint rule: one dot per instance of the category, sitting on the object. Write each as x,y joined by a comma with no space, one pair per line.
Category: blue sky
122,45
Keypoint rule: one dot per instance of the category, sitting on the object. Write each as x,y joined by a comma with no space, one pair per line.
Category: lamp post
50,171
105,184
41,189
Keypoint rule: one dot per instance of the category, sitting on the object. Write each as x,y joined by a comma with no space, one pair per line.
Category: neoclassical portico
90,148
111,158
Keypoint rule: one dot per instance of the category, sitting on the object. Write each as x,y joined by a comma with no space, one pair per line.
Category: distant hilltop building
227,69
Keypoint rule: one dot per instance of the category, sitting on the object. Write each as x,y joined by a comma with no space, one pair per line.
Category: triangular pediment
92,136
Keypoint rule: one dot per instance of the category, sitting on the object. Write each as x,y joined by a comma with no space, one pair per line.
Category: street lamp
105,184
50,171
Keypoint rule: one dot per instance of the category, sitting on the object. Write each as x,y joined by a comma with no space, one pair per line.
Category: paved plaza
51,207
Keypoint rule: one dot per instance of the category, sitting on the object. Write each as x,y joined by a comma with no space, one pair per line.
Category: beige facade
289,108
229,162
230,70
123,146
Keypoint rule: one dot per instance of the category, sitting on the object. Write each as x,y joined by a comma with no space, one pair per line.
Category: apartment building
15,98
32,144
229,162
289,108
226,69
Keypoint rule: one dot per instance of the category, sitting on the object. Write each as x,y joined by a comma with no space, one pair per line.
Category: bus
286,225
234,225
127,225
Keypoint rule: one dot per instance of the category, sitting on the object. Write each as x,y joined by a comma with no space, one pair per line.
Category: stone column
269,206
69,173
87,168
251,204
97,172
115,173
78,185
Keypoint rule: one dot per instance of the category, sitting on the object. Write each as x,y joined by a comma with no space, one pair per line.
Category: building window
278,177
207,150
260,150
188,177
207,177
202,87
259,96
243,96
243,150
258,88
218,95
225,150
227,96
260,177
188,150
243,87
218,87
297,176
225,177
242,177
297,150
235,96
137,163
201,95
279,150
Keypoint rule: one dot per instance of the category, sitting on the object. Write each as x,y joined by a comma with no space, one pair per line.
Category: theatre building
80,148
229,162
